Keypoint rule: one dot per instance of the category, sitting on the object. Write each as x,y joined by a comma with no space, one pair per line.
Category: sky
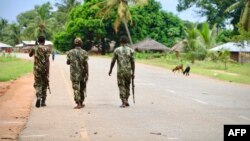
9,9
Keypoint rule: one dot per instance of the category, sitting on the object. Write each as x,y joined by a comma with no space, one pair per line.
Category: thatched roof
149,45
177,47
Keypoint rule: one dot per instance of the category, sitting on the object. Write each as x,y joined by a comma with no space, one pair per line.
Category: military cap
78,41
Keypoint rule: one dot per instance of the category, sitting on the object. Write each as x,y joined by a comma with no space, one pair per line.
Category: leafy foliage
214,10
148,21
151,22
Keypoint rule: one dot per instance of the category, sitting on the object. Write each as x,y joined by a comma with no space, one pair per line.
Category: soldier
124,56
77,58
41,70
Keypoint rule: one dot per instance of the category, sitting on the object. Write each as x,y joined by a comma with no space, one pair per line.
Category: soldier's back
41,58
77,58
124,56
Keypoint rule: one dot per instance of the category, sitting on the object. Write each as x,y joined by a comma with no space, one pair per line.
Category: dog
178,68
186,71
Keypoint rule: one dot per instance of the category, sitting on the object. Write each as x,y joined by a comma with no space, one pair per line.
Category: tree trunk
127,30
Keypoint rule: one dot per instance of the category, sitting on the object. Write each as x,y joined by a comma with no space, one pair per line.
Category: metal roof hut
29,44
5,47
150,45
238,51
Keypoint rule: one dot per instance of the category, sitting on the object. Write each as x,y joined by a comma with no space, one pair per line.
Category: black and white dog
186,71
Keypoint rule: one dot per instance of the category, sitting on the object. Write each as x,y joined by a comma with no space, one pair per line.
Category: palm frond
140,2
234,6
245,18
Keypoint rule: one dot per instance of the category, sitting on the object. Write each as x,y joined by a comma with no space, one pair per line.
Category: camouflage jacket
124,56
41,59
77,58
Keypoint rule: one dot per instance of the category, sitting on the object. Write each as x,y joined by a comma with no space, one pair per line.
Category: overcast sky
9,9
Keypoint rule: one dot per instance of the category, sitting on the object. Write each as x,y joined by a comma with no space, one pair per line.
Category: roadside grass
11,68
235,72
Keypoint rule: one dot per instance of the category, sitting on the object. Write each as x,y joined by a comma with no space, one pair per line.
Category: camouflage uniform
124,56
77,58
41,69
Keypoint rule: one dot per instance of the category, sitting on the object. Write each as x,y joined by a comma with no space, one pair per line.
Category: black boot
43,102
123,104
126,103
38,102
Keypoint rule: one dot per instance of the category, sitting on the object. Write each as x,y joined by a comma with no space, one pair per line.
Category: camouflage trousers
124,81
41,87
79,88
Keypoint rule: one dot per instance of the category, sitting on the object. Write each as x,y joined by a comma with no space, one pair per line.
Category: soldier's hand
133,76
110,73
87,77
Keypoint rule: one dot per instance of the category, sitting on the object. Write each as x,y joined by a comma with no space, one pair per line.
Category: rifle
48,84
133,89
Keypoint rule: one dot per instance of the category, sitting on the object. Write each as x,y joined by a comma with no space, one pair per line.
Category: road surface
168,107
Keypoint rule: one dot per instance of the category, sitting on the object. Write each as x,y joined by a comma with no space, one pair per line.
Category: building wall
234,56
244,57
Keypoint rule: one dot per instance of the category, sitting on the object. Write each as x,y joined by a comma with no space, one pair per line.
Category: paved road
168,107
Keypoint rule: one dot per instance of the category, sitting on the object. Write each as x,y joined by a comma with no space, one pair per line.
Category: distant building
26,45
5,47
150,45
239,52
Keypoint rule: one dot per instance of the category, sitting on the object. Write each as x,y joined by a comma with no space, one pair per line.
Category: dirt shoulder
15,105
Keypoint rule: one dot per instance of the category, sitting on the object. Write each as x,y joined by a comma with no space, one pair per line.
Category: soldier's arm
132,61
112,64
86,66
68,61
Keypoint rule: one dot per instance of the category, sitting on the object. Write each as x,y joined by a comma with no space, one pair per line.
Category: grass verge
235,72
11,68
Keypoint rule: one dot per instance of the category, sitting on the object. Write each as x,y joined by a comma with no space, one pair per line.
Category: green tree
83,23
193,46
214,10
224,57
3,25
14,34
208,36
64,7
43,20
123,13
150,21
244,21
38,21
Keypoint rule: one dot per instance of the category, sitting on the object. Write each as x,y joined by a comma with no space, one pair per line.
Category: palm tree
208,36
42,20
67,5
3,24
192,43
245,13
15,33
123,13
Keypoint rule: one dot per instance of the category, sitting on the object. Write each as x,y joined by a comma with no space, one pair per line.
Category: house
26,45
177,48
5,47
150,45
239,52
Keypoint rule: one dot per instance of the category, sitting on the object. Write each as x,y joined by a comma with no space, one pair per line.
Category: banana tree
208,35
245,13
